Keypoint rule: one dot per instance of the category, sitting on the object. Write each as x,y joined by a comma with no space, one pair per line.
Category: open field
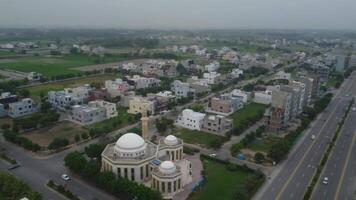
248,114
44,136
35,91
6,53
264,144
221,183
199,137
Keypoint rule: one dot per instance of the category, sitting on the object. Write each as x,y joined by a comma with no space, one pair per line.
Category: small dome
171,140
167,167
130,141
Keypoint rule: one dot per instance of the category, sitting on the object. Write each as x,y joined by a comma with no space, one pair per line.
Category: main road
291,179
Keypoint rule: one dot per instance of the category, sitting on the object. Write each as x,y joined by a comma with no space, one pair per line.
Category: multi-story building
117,87
244,96
85,114
190,119
140,82
6,98
213,78
181,89
279,115
322,72
141,105
236,73
81,93
99,94
34,76
22,108
263,97
110,108
225,105
212,67
299,88
217,124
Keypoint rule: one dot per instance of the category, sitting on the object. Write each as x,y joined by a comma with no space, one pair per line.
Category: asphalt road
341,166
292,178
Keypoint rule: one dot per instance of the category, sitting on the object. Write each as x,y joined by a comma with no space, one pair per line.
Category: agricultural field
35,91
226,182
63,130
54,65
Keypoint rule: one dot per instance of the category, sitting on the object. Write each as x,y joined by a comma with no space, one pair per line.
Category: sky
180,14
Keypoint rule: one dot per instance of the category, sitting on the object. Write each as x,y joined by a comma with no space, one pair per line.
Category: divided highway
295,174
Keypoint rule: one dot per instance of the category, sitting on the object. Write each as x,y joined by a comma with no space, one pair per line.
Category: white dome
171,140
130,145
167,167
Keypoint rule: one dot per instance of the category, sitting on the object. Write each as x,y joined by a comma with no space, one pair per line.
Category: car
65,177
14,166
326,180
312,137
213,155
353,109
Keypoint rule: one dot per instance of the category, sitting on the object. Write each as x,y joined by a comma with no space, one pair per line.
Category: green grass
199,137
35,91
52,66
247,114
221,183
6,53
112,124
263,145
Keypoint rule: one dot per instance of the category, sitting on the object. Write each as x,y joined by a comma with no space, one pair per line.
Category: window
132,174
146,170
141,173
169,187
125,172
163,187
119,172
178,184
175,186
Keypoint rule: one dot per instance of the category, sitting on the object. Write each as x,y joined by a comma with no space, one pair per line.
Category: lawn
35,91
44,136
115,123
263,145
199,137
248,114
6,53
221,183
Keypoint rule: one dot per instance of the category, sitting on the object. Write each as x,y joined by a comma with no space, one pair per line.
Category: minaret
145,126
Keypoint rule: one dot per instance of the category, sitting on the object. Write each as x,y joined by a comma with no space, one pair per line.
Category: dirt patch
44,136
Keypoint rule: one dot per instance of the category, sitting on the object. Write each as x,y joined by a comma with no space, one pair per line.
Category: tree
57,143
75,161
77,138
24,93
259,157
95,150
5,126
84,136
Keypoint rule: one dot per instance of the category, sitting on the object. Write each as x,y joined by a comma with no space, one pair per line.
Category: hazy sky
183,14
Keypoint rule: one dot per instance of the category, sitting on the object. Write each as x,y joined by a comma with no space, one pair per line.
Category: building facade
190,119
24,107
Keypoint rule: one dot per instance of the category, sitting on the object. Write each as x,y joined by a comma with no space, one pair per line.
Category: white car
326,180
213,155
65,177
312,137
353,109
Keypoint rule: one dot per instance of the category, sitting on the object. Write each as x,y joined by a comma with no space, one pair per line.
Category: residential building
81,93
6,98
225,104
263,97
236,73
117,87
217,124
212,67
181,89
308,94
110,108
213,78
140,82
61,100
34,76
279,115
86,115
322,72
141,105
190,119
24,107
244,96
99,94
282,75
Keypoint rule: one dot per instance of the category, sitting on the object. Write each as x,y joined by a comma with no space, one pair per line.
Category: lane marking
344,168
309,148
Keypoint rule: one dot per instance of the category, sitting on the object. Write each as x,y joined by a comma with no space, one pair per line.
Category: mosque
160,166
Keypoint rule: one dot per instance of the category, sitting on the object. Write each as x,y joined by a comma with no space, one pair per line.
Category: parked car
65,177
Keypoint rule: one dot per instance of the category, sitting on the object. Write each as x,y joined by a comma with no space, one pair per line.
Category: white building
129,66
162,166
282,75
166,93
244,96
212,67
117,87
110,108
263,97
143,82
190,119
69,97
236,73
211,77
22,108
180,89
85,114
34,76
